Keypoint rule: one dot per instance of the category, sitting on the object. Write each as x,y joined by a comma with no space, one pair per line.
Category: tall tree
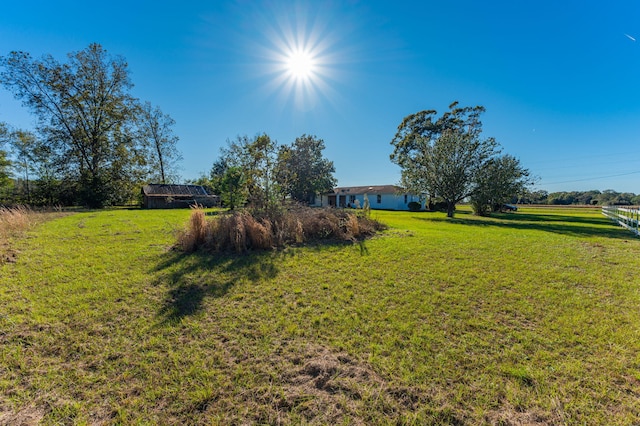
24,145
84,111
455,161
158,138
216,175
501,179
442,156
302,171
256,158
5,164
233,188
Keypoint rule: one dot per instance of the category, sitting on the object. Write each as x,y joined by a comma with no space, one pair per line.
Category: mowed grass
525,318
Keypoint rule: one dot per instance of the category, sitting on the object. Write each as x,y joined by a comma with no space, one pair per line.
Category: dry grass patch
328,387
242,231
25,417
510,416
319,385
13,222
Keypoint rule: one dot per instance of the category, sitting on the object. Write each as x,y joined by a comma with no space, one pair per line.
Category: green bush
439,206
414,206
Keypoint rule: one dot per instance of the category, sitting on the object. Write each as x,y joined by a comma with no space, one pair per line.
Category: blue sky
560,79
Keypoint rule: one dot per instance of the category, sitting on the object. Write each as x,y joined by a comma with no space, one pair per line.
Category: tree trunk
451,208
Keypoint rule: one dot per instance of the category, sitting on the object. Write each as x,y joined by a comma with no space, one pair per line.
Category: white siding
387,201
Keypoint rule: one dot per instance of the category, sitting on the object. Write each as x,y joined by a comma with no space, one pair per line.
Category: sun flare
301,53
300,65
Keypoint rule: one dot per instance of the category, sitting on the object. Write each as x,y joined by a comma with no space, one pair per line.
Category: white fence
629,217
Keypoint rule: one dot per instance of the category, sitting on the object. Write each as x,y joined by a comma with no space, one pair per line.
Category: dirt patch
7,253
329,385
322,386
508,416
26,417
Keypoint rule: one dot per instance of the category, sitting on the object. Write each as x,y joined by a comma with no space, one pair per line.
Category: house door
332,200
343,201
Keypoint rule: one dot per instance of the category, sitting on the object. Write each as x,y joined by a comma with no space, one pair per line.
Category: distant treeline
607,197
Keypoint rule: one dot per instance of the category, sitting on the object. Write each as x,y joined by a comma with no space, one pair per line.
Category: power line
593,178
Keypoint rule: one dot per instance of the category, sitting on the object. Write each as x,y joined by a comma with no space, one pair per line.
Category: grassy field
522,319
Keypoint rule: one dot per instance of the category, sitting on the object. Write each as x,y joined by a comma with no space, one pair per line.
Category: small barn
169,196
382,197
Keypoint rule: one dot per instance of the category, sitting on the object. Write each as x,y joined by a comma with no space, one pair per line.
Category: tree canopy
5,164
302,171
502,179
443,156
95,131
262,173
156,135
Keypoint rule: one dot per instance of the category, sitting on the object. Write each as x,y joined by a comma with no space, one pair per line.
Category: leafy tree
4,133
500,180
5,164
53,184
442,156
456,162
204,181
157,137
302,171
561,198
536,197
256,158
234,189
587,197
216,175
24,146
84,111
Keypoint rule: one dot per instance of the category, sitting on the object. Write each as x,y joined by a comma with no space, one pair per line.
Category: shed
170,196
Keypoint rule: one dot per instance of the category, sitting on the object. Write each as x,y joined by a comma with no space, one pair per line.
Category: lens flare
301,53
300,65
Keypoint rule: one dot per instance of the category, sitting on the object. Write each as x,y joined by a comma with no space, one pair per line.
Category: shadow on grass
195,276
579,226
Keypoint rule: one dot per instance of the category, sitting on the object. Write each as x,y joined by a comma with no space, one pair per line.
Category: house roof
372,189
170,189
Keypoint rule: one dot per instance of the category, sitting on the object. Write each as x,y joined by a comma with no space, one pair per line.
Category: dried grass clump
14,220
196,233
243,231
259,233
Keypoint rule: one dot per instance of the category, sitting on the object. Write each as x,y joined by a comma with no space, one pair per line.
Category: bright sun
300,56
300,65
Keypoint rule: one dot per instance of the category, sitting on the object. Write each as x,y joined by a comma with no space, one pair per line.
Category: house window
405,198
379,198
352,199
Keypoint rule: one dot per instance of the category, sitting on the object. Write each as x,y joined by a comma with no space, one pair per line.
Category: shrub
241,231
439,206
414,206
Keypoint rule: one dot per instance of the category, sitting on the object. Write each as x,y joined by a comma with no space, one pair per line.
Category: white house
383,197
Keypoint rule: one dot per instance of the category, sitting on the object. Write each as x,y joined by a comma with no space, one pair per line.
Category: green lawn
521,319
